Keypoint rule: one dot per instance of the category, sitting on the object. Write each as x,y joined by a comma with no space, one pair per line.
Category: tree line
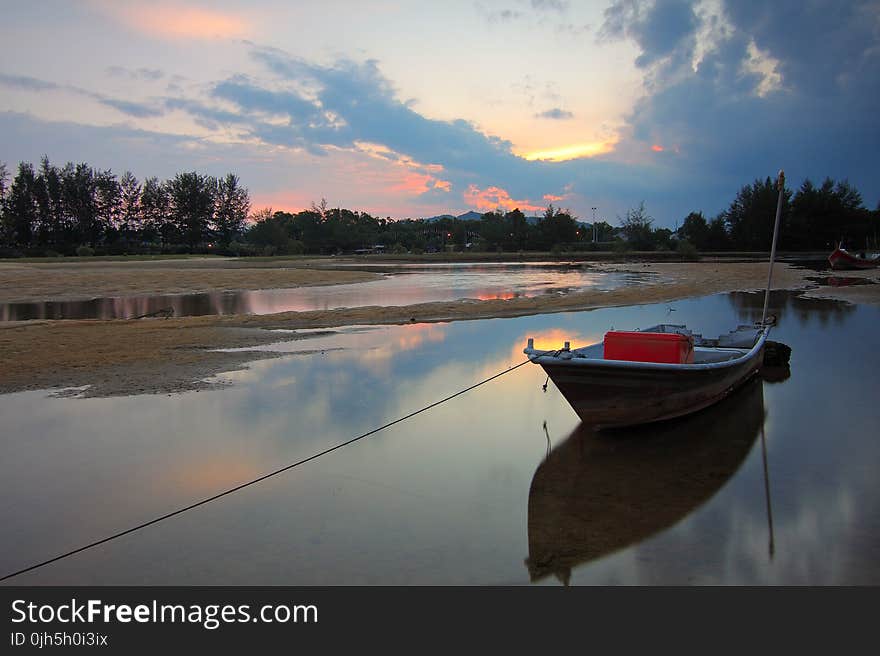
813,218
325,230
82,210
76,209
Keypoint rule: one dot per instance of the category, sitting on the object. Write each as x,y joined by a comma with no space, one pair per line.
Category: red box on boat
670,348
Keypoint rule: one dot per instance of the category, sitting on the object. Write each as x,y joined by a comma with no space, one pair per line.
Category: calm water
409,284
499,486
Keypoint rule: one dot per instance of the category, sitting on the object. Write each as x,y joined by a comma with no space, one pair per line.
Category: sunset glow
499,296
554,338
610,103
576,151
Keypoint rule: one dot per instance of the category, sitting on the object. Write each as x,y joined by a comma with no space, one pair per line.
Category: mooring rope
261,478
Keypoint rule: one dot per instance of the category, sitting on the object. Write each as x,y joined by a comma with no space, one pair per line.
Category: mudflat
121,357
80,279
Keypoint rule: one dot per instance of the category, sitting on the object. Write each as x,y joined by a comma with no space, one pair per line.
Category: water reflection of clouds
821,459
441,498
442,284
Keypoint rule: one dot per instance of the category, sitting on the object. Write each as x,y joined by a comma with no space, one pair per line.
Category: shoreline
124,357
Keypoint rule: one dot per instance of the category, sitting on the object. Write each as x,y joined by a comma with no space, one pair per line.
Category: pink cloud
354,179
413,183
404,174
178,21
495,197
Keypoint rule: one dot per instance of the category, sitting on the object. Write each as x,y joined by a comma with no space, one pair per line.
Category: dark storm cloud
727,125
658,28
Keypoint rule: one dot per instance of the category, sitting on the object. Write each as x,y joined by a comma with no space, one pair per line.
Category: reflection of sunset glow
500,296
212,474
576,151
495,197
554,338
657,148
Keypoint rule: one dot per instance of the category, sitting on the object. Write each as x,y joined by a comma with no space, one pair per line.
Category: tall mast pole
780,184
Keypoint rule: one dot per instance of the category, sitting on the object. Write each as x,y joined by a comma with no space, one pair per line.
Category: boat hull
609,396
841,259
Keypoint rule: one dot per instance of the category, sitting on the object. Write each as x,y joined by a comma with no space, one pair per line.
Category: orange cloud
180,22
657,148
495,197
413,183
553,199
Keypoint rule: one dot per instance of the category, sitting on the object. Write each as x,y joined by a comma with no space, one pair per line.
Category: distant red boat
843,259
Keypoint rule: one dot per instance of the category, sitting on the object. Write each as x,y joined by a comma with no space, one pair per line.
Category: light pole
594,225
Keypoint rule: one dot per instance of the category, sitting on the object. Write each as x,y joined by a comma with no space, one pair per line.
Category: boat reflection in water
601,491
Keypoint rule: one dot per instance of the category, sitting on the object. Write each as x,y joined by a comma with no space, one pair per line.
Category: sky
412,109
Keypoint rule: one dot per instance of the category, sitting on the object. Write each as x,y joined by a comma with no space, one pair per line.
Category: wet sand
122,357
85,279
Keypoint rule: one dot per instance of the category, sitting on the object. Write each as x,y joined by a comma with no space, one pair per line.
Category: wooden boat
639,384
595,494
660,373
844,259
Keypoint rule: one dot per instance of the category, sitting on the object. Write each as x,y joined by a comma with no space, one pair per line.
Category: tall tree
22,207
4,177
556,227
716,236
51,230
130,215
492,229
517,228
636,227
108,202
155,205
751,215
192,203
231,209
79,190
695,229
820,216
